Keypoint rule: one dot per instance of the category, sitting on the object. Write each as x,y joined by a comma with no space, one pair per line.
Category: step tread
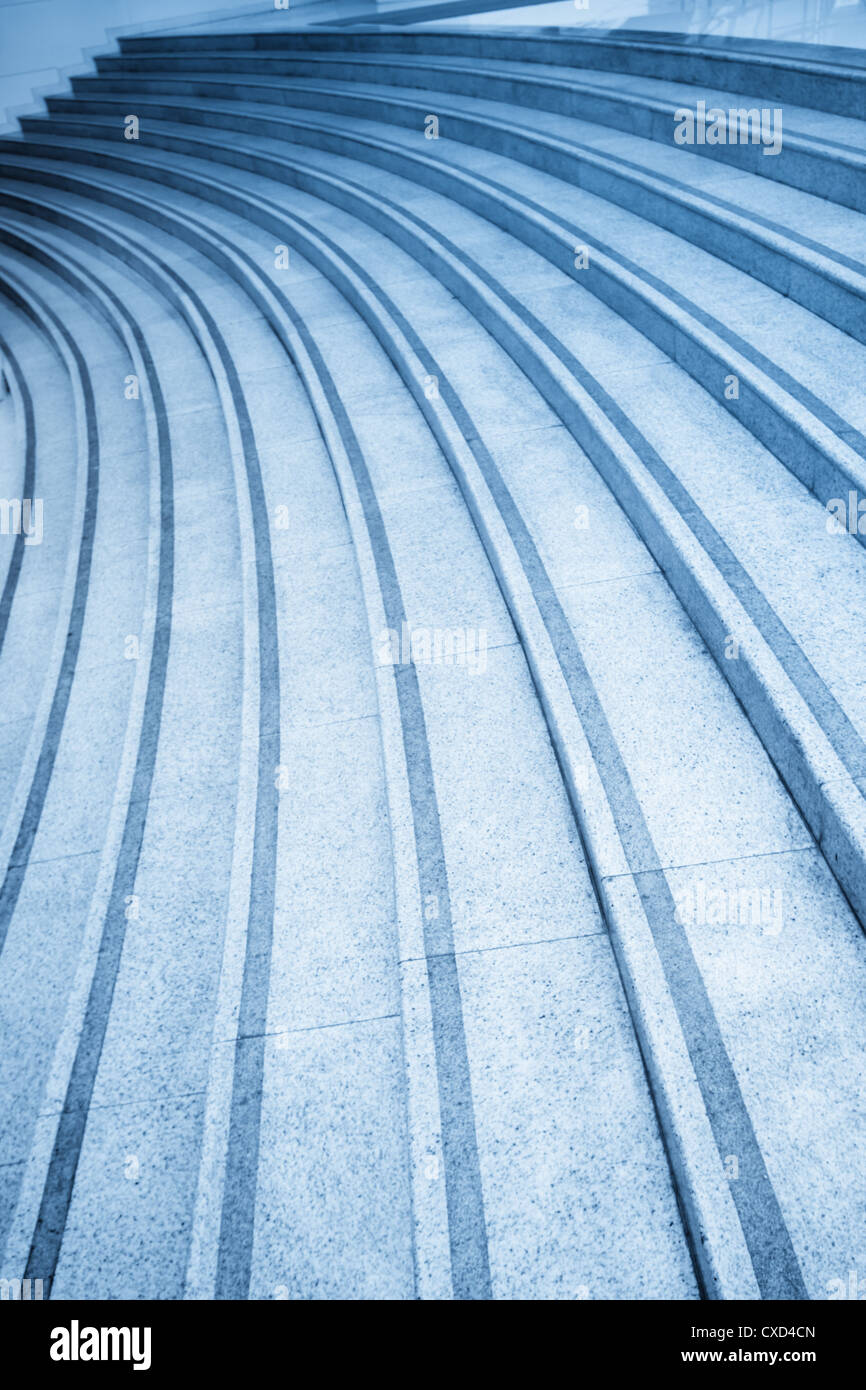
811,351
679,431
500,1020
771,204
846,132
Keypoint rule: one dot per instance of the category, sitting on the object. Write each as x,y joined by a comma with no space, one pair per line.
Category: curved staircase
432,758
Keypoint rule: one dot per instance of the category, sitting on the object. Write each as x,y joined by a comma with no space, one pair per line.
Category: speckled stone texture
432,762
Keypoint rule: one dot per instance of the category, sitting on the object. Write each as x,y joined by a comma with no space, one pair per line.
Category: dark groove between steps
769,1243
819,699
238,1211
35,803
57,1193
825,709
823,412
234,1264
467,1226
467,1223
851,436
829,86
28,486
575,148
767,1237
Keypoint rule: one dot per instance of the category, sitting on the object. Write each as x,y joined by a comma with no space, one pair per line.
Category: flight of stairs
432,760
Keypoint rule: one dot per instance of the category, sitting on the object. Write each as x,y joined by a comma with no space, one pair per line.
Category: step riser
841,91
716,1238
834,813
822,172
723,1277
53,1176
95,909
805,444
22,826
733,240
703,1028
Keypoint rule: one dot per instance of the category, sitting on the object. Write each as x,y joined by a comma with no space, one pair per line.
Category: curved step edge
25,419
718,1241
33,1242
821,449
825,283
786,714
824,167
828,85
25,808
